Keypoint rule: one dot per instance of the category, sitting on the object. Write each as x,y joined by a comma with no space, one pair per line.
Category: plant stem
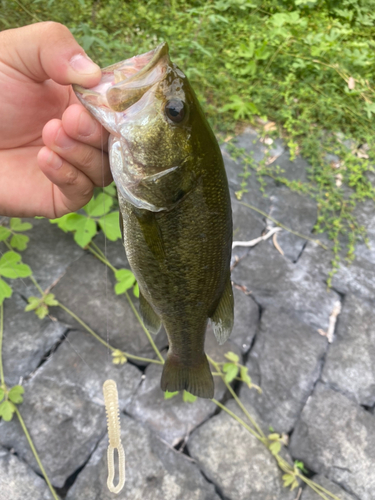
151,340
31,444
97,252
318,242
97,249
108,346
102,259
239,420
2,380
237,399
36,284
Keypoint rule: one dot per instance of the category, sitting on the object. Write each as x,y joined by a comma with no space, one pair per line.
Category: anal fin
149,317
223,317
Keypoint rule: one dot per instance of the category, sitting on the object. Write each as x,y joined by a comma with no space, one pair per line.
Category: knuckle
89,157
71,177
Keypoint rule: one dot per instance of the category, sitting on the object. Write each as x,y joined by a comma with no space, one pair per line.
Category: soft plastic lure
114,434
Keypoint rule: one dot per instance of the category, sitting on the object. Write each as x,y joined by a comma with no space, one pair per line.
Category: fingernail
82,64
54,161
86,124
63,141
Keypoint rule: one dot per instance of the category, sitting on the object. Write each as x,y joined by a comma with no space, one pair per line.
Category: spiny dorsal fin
222,319
149,317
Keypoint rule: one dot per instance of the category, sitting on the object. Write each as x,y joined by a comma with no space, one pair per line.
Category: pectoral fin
151,232
149,317
222,319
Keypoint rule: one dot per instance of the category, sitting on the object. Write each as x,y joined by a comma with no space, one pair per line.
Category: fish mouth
125,82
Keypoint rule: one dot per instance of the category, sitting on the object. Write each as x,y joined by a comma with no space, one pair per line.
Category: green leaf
5,291
301,466
4,233
119,357
19,241
17,225
85,228
111,190
275,447
6,410
62,222
230,370
294,485
15,394
99,206
188,398
41,311
33,303
136,290
245,376
50,300
274,436
11,267
232,356
169,395
125,280
110,226
2,394
288,479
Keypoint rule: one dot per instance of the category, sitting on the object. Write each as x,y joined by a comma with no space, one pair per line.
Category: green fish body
175,208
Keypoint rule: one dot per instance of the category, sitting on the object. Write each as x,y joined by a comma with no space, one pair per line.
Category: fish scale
175,208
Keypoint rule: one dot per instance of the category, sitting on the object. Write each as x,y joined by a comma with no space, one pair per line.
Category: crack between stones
63,491
321,363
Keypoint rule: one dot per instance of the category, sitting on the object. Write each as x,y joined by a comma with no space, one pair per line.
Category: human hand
38,106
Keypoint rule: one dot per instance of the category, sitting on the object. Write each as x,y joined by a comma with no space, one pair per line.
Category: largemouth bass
175,208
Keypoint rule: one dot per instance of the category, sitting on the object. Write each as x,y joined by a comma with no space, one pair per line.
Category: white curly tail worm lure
114,434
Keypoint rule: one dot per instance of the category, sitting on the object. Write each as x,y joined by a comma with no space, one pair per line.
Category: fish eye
175,110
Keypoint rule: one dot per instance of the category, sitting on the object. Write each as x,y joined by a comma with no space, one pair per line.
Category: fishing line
105,248
110,388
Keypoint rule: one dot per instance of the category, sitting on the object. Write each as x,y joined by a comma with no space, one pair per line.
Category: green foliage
11,234
11,266
40,304
125,281
12,397
119,357
84,226
169,395
186,396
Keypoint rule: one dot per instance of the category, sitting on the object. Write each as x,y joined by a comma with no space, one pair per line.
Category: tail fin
196,379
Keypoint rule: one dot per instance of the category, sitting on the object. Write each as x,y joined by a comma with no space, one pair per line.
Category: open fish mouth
125,82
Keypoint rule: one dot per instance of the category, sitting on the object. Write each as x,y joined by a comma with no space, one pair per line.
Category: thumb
48,50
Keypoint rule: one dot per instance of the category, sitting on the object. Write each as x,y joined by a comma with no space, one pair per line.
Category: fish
175,209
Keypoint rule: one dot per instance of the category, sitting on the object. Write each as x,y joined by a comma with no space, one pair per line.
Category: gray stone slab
246,320
336,438
18,481
153,471
276,282
285,362
236,461
357,277
349,365
296,170
296,211
50,251
88,290
26,339
309,494
63,406
173,419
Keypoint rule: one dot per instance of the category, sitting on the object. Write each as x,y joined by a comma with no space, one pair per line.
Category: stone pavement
321,394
